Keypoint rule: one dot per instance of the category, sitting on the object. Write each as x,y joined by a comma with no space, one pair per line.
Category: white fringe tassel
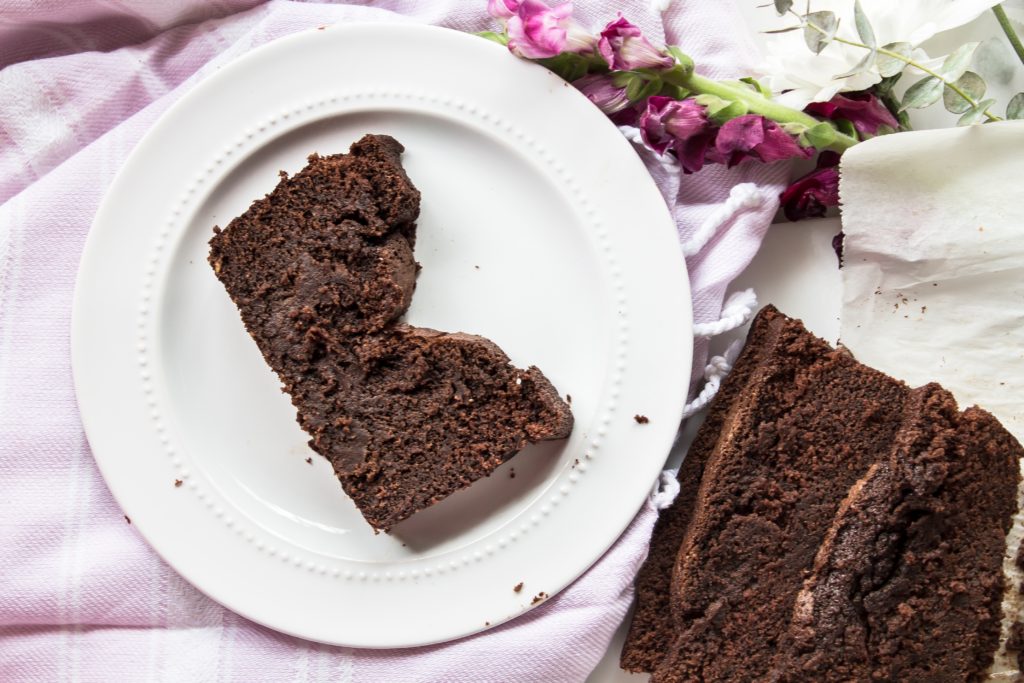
738,309
742,197
714,372
665,490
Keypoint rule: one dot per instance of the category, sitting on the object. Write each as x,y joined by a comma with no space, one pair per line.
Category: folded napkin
934,261
82,597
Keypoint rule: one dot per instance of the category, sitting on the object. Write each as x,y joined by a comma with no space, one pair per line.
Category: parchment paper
933,275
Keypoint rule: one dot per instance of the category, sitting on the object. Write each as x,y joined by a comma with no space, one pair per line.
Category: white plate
540,229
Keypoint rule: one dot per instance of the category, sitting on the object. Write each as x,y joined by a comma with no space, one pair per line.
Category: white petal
789,65
948,14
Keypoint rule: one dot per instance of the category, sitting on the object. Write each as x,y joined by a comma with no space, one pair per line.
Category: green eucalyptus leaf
923,93
1015,108
976,113
817,39
784,30
821,135
782,6
499,38
864,30
957,62
890,66
972,84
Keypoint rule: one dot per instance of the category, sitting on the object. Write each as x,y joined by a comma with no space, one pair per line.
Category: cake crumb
128,519
487,623
539,597
568,398
477,267
575,461
518,587
641,419
309,461
512,473
923,309
178,483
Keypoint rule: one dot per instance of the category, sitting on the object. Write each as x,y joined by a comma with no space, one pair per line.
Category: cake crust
764,505
773,346
908,582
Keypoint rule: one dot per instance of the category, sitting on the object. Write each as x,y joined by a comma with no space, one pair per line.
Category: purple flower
502,9
809,196
681,125
754,136
537,31
600,90
862,109
624,47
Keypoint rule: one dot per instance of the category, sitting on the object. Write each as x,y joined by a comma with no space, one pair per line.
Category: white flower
792,67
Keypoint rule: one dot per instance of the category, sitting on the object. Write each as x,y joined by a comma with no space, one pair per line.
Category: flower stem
756,103
1011,34
910,61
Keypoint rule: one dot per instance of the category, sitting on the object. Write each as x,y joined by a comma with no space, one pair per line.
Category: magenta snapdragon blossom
809,196
680,125
753,136
537,31
600,90
502,9
624,47
862,109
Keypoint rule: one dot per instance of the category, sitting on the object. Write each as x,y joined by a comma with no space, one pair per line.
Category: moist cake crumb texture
321,270
832,524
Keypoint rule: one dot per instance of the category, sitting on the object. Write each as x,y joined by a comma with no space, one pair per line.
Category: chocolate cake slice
776,347
321,270
769,492
908,582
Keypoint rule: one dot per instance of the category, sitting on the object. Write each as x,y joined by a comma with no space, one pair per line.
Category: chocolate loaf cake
908,582
832,525
776,346
321,270
766,500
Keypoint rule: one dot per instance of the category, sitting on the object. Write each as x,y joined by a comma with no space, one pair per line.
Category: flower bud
624,47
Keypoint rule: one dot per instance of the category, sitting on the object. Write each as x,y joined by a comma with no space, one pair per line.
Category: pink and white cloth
82,597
